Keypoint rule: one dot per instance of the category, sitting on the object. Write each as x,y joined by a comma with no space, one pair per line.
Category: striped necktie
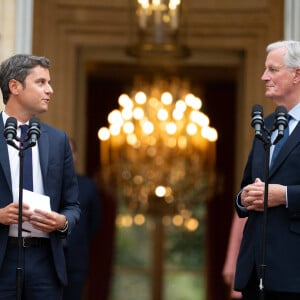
280,143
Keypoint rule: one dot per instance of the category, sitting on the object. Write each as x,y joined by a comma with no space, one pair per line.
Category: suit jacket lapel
290,144
43,144
4,158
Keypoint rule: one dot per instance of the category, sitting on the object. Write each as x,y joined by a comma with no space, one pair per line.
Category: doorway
218,90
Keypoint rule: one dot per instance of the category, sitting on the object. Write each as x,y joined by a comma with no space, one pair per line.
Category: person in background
26,91
78,242
280,279
235,237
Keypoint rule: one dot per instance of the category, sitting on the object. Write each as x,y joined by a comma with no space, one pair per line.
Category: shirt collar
5,116
295,112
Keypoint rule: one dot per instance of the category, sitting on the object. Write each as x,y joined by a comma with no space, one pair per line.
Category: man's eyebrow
42,79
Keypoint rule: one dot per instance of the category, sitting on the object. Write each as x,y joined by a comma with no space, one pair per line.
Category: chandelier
158,150
159,24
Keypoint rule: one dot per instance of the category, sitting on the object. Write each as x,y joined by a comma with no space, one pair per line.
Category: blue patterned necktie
27,162
280,143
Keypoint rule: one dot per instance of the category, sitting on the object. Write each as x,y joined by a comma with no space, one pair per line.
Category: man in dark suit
26,90
78,242
281,278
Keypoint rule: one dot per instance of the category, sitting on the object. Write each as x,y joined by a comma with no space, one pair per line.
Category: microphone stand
10,133
19,269
267,146
281,123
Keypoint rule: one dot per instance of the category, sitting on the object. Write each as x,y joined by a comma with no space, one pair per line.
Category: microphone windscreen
280,110
257,109
34,122
11,121
34,130
10,128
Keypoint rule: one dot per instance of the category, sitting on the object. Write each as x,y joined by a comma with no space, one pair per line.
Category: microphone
257,121
281,121
10,131
34,131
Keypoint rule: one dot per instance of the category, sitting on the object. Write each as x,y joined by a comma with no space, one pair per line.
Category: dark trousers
39,278
252,292
74,289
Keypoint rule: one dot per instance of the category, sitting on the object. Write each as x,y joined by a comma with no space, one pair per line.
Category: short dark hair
18,67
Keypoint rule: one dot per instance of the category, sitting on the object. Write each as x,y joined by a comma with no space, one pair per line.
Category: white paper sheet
35,201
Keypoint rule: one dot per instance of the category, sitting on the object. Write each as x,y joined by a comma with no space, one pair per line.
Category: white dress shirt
14,162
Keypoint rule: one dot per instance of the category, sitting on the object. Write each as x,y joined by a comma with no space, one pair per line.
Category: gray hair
18,67
292,55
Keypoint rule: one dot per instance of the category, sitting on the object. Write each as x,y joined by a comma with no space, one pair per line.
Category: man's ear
297,75
14,86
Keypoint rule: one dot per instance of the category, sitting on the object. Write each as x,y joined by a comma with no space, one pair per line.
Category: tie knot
24,130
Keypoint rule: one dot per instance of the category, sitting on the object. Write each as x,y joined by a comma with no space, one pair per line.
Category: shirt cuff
238,202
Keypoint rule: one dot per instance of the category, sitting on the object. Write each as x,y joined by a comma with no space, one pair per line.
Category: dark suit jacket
60,184
283,224
78,242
